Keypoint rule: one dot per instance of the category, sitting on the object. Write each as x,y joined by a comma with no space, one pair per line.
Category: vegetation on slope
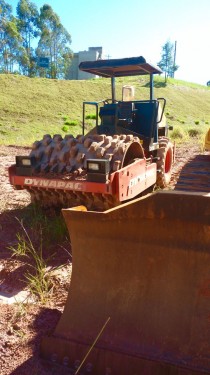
30,108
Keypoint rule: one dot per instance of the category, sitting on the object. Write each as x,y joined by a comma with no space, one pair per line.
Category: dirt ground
22,325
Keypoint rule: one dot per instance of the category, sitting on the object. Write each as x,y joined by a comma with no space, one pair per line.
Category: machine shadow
44,323
46,226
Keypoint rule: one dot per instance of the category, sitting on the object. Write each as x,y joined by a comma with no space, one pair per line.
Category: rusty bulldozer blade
146,265
207,141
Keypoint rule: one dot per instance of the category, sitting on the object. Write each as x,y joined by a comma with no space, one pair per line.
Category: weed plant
65,129
38,274
194,132
177,133
71,123
90,117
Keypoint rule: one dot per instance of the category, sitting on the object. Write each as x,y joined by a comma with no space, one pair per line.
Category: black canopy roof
130,66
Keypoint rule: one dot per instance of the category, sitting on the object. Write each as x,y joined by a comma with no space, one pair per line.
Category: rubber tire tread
163,177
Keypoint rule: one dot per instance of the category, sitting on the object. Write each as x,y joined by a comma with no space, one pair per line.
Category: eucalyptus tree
54,42
10,39
12,50
5,16
28,17
167,62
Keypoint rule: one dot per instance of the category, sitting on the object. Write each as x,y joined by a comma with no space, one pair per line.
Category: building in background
93,53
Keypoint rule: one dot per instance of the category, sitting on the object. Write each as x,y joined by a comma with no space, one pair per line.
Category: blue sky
126,28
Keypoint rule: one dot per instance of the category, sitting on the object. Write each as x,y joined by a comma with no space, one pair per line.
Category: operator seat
125,113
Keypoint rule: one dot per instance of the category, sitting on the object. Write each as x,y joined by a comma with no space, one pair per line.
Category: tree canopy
31,35
54,42
167,62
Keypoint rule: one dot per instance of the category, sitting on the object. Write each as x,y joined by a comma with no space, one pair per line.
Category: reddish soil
23,325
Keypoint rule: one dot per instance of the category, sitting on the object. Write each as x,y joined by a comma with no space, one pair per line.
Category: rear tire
164,164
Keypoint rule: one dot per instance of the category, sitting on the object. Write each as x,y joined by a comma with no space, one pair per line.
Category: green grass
37,275
45,231
30,108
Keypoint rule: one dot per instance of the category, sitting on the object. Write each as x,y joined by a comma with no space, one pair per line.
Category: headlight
93,166
24,165
98,166
98,170
26,162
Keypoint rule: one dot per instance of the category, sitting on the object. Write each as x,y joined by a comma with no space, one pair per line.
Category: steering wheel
109,101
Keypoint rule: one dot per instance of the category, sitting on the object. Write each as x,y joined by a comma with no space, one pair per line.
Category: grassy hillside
30,108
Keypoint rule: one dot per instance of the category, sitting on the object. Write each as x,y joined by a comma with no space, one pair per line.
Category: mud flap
146,265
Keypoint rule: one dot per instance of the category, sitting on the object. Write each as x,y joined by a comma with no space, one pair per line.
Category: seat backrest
146,118
108,115
125,110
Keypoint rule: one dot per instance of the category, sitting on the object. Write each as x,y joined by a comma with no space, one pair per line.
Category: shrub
177,133
206,122
65,128
194,132
71,123
197,122
181,121
91,117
